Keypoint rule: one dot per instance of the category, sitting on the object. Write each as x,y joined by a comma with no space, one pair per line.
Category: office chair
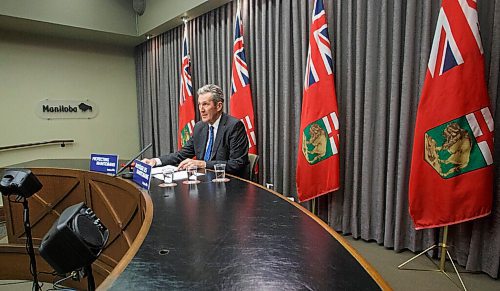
254,159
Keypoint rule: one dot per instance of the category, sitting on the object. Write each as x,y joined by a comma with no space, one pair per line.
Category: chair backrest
254,159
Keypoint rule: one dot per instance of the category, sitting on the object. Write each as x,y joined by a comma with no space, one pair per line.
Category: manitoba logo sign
460,145
66,109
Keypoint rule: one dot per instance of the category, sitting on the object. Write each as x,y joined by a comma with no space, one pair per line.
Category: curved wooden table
235,235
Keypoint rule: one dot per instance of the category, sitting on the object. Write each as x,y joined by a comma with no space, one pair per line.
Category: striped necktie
208,152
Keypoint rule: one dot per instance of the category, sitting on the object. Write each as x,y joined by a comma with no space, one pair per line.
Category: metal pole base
440,268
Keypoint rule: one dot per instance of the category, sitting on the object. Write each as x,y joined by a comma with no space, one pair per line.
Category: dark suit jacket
230,146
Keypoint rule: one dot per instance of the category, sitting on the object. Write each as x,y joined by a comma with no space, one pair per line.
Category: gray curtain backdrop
381,50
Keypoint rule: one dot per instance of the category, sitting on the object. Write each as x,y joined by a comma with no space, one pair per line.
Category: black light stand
90,278
76,238
24,184
29,243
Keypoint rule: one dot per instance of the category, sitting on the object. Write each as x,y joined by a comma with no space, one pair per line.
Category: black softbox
21,182
75,240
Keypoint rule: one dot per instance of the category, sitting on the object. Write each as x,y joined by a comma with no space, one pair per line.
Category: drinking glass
192,175
168,178
220,173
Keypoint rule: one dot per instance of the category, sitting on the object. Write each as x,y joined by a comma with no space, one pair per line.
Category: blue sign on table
104,163
142,174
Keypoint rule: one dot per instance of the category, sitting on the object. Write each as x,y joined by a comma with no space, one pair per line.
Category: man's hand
150,162
190,162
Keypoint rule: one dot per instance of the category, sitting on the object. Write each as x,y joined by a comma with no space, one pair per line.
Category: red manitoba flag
186,100
318,155
241,105
451,177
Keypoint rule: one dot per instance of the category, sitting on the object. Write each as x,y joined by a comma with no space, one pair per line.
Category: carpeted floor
386,262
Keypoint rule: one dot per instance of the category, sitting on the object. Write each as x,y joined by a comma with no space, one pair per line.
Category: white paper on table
159,170
178,175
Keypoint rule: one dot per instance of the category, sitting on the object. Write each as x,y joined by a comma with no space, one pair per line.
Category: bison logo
84,107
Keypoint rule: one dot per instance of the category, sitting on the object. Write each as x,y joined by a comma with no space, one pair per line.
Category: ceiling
116,23
26,26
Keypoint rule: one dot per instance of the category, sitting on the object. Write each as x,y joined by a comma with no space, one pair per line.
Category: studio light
20,182
75,241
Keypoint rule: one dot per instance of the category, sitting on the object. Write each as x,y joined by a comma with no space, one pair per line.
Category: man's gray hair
217,94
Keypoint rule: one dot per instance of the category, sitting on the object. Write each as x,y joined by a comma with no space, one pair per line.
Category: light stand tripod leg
414,257
456,271
444,252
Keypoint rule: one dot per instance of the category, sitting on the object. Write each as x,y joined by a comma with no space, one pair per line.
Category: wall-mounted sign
57,109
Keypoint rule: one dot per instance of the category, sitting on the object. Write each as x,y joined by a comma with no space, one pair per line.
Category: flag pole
444,252
443,249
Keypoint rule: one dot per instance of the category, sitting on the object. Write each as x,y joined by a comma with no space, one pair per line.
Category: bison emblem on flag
318,142
456,147
186,132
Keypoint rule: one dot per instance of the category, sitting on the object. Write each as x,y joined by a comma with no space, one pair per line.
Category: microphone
129,175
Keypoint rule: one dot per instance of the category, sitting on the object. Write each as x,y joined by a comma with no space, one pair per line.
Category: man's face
209,111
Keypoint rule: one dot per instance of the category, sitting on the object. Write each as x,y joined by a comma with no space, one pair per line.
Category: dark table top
238,236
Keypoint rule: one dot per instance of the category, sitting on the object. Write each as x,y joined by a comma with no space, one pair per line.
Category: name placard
142,174
104,163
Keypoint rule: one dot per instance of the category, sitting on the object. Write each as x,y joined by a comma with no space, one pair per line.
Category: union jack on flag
445,53
186,84
320,39
239,59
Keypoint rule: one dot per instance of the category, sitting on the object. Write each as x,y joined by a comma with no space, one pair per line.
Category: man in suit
217,139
